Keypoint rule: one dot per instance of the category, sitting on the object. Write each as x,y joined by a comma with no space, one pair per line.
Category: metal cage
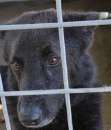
66,91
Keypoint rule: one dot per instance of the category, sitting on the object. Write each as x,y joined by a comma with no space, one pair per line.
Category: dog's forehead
35,41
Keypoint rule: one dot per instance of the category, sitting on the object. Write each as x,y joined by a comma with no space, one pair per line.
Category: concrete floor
101,48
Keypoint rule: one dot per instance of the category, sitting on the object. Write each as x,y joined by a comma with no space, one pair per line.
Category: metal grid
67,91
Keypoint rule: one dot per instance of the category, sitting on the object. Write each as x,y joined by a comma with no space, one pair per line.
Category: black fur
33,50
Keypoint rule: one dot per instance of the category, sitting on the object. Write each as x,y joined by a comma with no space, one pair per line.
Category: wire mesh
67,91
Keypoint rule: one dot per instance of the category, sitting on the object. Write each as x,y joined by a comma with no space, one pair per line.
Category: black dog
34,63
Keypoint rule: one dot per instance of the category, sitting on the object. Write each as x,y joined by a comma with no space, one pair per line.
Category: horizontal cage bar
56,91
55,25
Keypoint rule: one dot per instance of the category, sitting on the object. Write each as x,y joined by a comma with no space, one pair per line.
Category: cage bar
55,25
5,110
64,63
105,89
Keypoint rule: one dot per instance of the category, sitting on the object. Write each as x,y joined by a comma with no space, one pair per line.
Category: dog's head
33,59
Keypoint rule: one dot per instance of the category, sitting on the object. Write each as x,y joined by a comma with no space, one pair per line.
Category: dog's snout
34,112
30,115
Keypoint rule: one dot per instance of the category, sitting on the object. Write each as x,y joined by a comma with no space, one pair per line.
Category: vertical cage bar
64,63
5,111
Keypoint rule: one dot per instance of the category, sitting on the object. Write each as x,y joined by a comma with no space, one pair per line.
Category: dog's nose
31,116
31,122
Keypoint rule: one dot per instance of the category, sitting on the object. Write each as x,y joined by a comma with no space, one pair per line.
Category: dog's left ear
83,34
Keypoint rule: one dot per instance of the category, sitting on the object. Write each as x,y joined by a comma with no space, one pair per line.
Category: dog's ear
84,35
2,44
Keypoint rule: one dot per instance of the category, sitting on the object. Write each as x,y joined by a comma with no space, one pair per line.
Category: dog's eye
17,64
53,60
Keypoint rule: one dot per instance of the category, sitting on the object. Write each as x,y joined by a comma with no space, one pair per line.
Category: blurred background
101,49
